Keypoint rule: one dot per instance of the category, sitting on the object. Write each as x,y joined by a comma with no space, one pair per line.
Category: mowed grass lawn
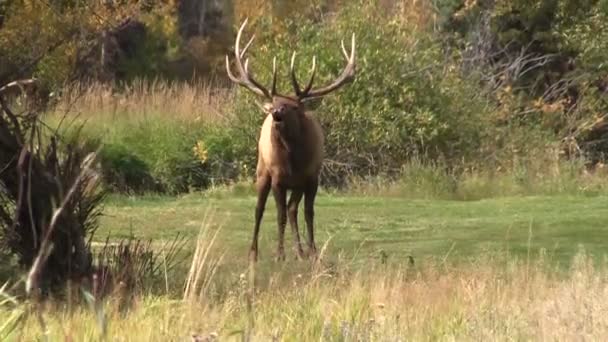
362,227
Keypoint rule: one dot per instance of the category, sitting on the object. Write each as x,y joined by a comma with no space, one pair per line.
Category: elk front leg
263,188
309,213
280,197
294,201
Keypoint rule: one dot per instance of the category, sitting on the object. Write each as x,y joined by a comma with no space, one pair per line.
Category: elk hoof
300,255
280,256
312,253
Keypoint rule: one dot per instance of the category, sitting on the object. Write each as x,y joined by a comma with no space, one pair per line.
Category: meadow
427,255
391,268
379,227
463,194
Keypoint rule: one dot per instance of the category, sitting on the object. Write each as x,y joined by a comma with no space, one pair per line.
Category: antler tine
230,75
247,46
344,49
353,44
312,75
352,48
245,78
347,74
237,48
294,79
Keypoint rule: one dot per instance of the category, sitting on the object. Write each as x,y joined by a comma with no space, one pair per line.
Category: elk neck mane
290,144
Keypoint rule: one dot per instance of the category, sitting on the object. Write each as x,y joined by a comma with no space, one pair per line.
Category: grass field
510,268
372,227
474,205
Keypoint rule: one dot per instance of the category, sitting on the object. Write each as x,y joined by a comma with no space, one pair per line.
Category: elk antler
294,80
347,75
245,79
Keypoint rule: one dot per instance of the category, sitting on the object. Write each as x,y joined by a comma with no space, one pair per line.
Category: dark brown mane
292,147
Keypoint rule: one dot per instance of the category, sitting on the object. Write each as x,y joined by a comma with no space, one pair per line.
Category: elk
290,146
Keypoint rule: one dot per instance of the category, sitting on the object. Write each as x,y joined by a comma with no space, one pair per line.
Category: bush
124,171
156,155
404,100
170,156
157,136
50,201
542,63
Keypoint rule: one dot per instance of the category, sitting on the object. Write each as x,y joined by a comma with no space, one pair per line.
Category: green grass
371,226
472,296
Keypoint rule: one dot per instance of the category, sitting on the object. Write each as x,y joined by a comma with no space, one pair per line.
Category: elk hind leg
310,194
292,211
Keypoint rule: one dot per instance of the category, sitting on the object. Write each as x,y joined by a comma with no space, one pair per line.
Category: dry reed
146,99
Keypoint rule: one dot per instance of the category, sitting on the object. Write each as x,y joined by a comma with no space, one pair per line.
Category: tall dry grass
484,300
146,100
419,15
203,266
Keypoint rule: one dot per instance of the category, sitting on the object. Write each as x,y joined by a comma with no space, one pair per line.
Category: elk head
284,106
290,149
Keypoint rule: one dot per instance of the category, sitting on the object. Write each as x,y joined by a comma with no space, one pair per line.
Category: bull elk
290,146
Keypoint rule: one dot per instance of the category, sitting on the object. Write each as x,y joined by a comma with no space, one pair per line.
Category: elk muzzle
277,115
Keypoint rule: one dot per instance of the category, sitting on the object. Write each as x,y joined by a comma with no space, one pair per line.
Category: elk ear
311,103
266,107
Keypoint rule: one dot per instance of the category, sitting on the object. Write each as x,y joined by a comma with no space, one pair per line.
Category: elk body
290,147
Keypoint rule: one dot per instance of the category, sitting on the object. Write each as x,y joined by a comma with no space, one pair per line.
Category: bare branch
20,83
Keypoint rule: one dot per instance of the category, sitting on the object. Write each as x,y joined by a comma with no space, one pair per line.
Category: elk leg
309,213
263,188
280,197
294,201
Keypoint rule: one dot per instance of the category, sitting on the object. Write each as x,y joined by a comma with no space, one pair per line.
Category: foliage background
458,87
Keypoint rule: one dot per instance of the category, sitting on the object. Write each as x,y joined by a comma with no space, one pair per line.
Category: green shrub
148,155
543,63
404,100
165,147
123,171
170,156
